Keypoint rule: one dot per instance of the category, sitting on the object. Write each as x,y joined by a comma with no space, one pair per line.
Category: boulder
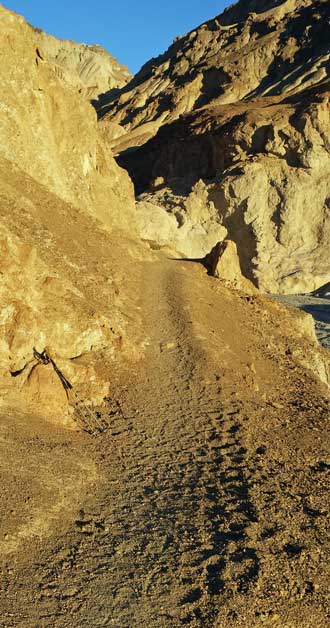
223,262
190,224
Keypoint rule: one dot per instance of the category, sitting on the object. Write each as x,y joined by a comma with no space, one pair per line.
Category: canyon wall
235,117
49,130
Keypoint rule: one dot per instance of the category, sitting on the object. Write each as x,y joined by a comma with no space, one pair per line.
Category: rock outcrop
63,290
223,263
188,224
89,69
265,167
67,223
255,81
255,48
49,130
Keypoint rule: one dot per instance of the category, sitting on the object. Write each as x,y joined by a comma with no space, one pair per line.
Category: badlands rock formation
61,290
266,172
89,69
60,190
164,441
256,83
49,131
255,48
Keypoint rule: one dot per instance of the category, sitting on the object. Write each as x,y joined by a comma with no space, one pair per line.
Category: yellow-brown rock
223,263
257,135
89,69
266,167
49,130
61,291
190,224
199,495
261,48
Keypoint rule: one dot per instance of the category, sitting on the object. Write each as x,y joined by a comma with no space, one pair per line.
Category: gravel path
204,503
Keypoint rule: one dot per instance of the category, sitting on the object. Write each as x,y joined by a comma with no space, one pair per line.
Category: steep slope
60,192
90,69
49,131
254,158
64,289
266,173
255,48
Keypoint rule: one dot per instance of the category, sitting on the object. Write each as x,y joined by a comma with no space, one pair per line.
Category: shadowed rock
242,106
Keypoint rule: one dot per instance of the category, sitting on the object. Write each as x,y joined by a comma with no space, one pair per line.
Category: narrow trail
176,490
165,541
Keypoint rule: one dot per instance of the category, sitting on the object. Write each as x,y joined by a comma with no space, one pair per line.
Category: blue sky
133,31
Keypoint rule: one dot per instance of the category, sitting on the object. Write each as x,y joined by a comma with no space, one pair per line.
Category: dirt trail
195,520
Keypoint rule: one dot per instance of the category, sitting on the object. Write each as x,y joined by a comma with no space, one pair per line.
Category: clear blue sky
131,30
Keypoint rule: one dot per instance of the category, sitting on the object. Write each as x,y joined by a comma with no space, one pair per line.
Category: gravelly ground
203,504
319,308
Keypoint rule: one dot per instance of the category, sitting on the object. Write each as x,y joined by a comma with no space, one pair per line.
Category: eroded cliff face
255,144
264,170
89,69
64,289
67,215
50,131
253,49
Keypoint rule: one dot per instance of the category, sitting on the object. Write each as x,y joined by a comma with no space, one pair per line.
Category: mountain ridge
243,98
197,53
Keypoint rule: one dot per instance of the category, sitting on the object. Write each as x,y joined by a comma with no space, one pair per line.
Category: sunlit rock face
253,49
89,69
241,105
67,222
64,290
49,130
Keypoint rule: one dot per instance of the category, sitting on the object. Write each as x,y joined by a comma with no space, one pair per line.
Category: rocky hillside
252,156
63,200
164,439
255,48
64,290
50,132
259,173
90,69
